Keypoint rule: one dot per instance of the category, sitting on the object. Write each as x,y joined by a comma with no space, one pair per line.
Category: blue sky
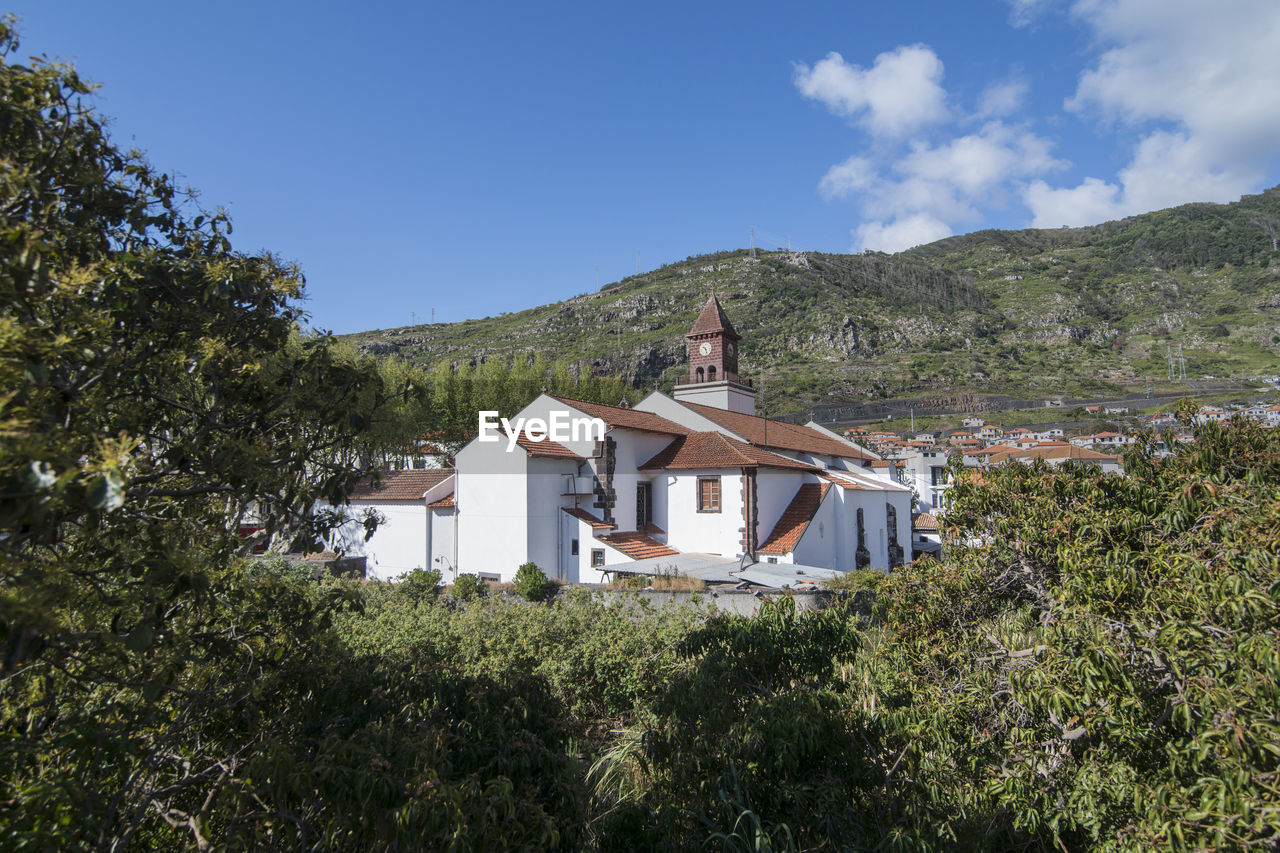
478,158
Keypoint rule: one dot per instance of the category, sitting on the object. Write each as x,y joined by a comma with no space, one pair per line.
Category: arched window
700,374
711,373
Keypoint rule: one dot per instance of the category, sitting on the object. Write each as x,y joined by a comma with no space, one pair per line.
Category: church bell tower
713,364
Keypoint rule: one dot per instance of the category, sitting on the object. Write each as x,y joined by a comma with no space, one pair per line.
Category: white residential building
925,471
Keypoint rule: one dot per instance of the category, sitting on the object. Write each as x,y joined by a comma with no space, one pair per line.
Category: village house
1054,454
924,469
416,522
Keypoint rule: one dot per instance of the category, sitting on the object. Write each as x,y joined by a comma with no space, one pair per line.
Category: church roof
712,319
616,416
777,434
716,450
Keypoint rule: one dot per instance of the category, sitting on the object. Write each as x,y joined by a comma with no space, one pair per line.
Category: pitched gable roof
712,319
716,450
400,485
616,416
777,434
637,545
795,519
545,448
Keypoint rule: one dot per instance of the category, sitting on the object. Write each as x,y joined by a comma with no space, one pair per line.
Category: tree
1102,672
157,393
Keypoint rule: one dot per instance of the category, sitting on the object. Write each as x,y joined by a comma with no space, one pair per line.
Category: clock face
705,349
729,348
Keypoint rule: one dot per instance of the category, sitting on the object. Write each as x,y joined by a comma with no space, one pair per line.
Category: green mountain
1032,313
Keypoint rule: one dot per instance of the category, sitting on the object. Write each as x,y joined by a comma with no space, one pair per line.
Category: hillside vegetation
1031,313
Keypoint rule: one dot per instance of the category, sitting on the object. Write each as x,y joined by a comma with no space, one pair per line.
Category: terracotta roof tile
777,434
400,485
583,515
836,480
617,416
924,521
712,319
546,448
637,545
716,450
795,519
444,503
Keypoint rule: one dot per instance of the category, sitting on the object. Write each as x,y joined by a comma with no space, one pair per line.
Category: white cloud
931,188
844,179
975,163
899,94
1093,201
1023,13
901,233
1002,99
1198,80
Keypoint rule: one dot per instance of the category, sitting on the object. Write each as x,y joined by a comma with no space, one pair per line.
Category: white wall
705,532
491,498
819,546
399,544
442,553
545,497
774,491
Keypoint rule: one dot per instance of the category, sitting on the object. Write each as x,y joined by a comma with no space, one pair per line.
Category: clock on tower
713,346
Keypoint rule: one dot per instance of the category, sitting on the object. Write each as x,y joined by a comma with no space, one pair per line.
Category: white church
694,483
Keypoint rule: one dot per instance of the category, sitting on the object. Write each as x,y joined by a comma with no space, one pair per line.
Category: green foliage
857,580
532,583
157,394
1102,674
756,724
459,391
467,586
421,585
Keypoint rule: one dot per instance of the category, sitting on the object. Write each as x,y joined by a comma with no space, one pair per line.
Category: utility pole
637,262
753,242
413,319
764,410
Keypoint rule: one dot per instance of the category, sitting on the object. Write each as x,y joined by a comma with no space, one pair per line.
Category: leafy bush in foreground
532,583
1104,673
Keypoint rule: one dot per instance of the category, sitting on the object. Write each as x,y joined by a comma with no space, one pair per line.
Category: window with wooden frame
597,557
708,494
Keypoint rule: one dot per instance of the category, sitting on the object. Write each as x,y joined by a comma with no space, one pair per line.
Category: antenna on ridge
753,242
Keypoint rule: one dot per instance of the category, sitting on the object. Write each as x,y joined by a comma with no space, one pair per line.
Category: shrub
532,583
856,581
467,586
421,585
